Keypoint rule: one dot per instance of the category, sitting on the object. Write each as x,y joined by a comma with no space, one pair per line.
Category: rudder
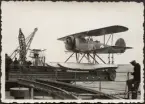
120,42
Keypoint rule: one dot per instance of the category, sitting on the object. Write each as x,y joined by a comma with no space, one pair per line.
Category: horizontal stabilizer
119,47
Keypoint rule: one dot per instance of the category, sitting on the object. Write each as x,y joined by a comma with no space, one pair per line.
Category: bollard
128,95
32,93
56,74
75,78
99,84
19,92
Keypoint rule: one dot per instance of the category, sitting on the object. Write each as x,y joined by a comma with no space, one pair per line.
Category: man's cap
133,61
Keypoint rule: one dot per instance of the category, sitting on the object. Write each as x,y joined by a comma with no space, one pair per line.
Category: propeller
69,43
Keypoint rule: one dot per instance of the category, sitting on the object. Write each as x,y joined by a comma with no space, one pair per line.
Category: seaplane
82,44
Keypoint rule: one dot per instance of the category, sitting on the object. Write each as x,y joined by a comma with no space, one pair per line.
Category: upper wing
99,32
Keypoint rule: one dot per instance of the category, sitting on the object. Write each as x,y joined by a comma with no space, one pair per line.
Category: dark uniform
135,81
136,72
8,62
29,64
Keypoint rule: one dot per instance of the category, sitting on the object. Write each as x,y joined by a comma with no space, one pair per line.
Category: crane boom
30,38
24,45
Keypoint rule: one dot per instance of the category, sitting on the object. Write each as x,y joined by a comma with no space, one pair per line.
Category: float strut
100,59
82,58
69,57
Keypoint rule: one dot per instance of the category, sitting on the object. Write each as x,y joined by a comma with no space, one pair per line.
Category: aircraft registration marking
102,46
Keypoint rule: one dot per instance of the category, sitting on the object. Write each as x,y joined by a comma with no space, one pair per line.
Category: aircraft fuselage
90,46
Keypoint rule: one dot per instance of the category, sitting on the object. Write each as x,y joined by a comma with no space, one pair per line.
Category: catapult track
63,90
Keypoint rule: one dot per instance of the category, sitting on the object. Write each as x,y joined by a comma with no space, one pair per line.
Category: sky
58,19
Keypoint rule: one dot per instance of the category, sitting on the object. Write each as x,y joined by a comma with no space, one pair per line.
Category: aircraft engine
121,43
70,43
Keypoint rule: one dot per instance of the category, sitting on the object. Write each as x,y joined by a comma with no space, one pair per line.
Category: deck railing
124,92
101,87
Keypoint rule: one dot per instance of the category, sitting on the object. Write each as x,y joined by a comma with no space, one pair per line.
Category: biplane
79,44
83,44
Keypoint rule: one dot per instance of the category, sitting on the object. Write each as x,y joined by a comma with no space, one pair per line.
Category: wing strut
104,39
109,60
112,53
109,38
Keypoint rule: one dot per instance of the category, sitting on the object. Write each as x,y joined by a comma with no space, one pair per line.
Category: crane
24,45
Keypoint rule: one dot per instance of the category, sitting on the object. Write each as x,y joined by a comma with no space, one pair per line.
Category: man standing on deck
16,63
133,84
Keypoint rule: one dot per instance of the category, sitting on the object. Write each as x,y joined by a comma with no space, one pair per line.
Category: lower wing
105,50
112,49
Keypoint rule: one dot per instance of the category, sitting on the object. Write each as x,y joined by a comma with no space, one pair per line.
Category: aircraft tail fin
120,43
